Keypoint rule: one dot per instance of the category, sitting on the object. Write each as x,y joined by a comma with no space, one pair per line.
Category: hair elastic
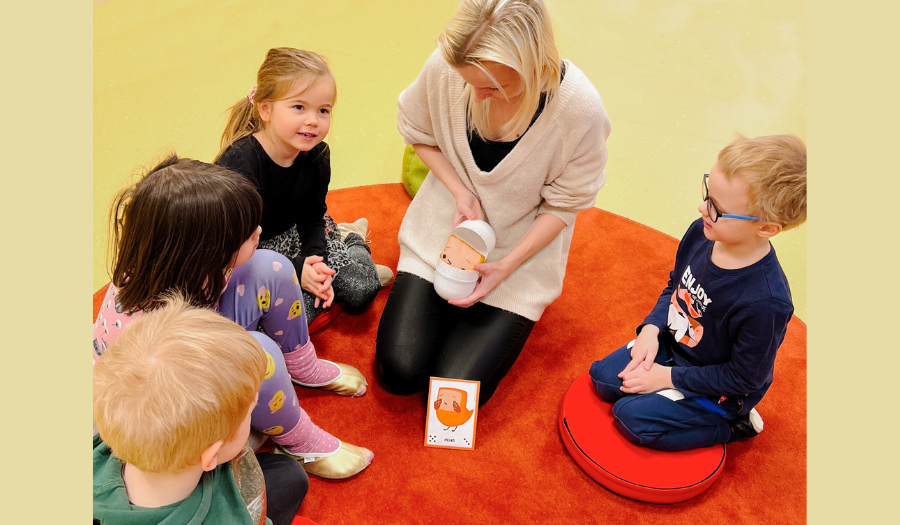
250,95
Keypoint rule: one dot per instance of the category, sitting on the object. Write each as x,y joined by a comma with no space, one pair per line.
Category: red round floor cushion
589,432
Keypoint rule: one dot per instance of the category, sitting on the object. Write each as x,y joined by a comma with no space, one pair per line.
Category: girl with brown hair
193,228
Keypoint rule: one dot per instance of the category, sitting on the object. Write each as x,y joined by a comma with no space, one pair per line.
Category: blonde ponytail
243,120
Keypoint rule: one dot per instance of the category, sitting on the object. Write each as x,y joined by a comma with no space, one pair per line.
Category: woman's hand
467,207
644,350
542,231
492,274
316,279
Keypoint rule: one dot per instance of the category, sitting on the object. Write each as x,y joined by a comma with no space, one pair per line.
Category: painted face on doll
460,255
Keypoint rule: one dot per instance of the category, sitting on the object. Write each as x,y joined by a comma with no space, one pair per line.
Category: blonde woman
513,136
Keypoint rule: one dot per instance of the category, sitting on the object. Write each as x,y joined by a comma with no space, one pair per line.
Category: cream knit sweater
557,167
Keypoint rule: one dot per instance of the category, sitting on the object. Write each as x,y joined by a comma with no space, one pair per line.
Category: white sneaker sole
755,420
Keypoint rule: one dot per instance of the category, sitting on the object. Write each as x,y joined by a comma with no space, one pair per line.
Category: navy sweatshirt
727,324
292,197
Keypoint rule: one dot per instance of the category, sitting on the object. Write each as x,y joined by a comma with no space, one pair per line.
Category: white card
452,413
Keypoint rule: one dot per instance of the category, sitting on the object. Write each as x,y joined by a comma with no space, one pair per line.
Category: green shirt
216,499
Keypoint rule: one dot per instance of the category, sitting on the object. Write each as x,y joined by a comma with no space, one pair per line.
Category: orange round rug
520,471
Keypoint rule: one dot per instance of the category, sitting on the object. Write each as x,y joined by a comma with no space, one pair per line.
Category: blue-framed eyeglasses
714,212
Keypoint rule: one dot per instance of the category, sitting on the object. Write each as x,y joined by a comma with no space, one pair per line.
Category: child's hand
321,267
317,282
642,381
644,350
467,207
328,290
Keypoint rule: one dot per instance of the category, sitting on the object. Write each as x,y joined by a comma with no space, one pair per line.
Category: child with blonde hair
705,355
170,424
193,228
274,137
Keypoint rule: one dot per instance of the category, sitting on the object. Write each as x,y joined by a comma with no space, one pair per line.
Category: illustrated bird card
452,413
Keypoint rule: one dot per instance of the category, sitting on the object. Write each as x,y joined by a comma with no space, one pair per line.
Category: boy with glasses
705,354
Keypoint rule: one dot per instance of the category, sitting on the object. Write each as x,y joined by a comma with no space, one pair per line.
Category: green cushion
414,171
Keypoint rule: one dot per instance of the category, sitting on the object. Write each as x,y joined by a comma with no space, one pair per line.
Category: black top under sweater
725,325
487,154
292,196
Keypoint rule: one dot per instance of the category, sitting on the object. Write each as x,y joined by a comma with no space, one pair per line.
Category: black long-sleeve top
292,196
728,324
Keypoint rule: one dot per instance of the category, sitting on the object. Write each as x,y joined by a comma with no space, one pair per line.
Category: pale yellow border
47,162
853,296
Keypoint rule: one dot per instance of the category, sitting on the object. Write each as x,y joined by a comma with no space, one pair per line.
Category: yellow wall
678,79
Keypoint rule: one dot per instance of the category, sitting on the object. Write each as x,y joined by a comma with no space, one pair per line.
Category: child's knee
606,381
266,262
627,415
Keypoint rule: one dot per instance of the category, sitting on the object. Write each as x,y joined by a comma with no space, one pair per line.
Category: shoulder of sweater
584,100
436,66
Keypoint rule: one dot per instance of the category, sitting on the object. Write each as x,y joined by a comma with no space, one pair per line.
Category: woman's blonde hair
177,380
282,68
774,168
514,33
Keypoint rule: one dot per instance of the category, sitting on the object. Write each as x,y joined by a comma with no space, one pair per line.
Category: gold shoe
350,383
384,274
349,461
359,227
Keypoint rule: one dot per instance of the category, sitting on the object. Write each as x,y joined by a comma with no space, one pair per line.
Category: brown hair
282,68
515,33
179,228
774,168
175,382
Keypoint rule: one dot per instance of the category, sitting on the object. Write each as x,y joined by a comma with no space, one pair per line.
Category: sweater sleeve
759,330
659,316
311,216
576,188
414,117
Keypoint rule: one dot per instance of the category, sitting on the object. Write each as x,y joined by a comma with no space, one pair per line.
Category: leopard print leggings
356,281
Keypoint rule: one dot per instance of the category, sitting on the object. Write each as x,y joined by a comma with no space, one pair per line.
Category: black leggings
286,486
421,335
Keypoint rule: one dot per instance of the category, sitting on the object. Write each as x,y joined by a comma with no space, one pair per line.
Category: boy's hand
644,350
642,381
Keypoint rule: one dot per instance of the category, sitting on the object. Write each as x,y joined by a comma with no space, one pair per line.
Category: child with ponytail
274,137
193,228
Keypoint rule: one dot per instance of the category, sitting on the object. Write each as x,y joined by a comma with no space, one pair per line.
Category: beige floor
678,79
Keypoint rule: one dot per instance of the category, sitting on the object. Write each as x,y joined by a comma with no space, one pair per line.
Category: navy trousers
656,421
